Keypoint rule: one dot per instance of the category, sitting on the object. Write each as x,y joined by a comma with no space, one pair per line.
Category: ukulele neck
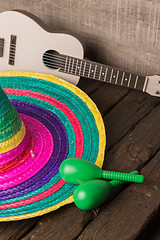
104,73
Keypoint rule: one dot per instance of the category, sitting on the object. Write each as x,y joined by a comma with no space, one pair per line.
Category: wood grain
16,230
129,213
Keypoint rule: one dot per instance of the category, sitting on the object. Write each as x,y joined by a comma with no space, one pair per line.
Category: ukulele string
13,47
46,56
73,68
77,72
59,60
107,79
58,57
58,64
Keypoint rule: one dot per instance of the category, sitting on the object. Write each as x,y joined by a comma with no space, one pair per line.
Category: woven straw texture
57,121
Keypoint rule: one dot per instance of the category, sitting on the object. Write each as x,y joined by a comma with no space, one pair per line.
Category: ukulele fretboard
93,70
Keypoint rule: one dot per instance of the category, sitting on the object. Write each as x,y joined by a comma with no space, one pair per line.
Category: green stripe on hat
2,96
8,118
11,130
10,121
5,107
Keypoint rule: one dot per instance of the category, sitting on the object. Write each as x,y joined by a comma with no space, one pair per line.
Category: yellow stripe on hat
38,213
14,141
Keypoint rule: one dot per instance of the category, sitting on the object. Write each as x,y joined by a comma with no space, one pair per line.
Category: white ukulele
26,46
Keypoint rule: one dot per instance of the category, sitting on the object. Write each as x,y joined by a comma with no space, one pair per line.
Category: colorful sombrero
55,121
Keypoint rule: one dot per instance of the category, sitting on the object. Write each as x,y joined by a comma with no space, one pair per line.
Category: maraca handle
126,177
117,183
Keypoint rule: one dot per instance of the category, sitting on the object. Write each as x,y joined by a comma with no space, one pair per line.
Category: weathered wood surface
124,34
133,150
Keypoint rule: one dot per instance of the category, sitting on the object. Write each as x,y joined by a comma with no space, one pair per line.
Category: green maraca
77,171
93,193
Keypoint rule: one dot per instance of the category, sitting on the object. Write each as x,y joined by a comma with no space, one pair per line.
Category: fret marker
80,67
103,73
84,69
117,77
126,79
111,76
76,67
65,64
92,71
114,76
122,78
72,66
135,85
95,71
100,73
69,63
129,80
89,69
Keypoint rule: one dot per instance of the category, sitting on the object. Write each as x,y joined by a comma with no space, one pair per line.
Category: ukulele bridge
1,46
12,50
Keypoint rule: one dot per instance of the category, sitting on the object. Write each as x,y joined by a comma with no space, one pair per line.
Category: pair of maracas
92,191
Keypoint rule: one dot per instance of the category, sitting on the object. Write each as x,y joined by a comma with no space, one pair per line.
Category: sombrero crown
12,130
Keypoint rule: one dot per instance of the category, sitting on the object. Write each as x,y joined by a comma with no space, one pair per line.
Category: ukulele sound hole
52,59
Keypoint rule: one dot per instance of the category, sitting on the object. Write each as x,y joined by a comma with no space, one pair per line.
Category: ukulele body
23,43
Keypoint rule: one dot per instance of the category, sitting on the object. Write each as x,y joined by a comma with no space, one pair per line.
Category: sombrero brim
64,122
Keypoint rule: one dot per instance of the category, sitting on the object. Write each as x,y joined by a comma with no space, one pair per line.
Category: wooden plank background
124,34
